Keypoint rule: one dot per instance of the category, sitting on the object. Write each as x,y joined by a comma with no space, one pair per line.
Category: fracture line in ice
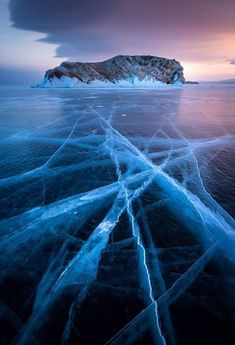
202,205
98,239
84,265
42,167
51,171
195,203
107,227
35,216
186,279
160,284
45,165
192,199
26,135
159,338
104,227
128,144
67,205
190,148
136,233
173,292
37,172
82,269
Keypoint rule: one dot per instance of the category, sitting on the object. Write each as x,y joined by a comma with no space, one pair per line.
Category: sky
37,35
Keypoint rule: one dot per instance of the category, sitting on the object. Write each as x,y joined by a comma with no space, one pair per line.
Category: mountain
122,71
189,82
226,81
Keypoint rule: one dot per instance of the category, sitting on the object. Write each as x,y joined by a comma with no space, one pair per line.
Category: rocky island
119,71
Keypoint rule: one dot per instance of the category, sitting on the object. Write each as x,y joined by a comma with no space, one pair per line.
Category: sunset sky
39,34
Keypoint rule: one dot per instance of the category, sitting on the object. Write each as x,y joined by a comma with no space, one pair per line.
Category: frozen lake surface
117,216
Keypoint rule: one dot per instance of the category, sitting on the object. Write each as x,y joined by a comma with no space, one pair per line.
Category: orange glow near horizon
213,60
205,55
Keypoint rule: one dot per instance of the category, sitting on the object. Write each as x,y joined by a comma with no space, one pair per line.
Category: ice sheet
115,227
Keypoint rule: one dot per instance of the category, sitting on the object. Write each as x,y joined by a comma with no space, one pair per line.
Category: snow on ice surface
117,229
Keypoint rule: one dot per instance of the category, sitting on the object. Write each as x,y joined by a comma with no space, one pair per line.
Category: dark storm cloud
232,61
94,27
75,25
50,16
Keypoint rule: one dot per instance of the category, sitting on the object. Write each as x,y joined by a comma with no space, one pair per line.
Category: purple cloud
91,28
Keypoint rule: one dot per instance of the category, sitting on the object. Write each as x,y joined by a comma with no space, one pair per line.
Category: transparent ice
117,216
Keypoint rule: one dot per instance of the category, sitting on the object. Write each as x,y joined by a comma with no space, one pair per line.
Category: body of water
117,216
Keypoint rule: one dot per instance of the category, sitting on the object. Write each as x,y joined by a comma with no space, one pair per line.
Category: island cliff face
122,71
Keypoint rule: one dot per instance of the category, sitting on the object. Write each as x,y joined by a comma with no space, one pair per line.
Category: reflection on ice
114,222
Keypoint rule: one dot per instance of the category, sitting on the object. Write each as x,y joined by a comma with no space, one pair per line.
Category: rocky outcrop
189,82
122,70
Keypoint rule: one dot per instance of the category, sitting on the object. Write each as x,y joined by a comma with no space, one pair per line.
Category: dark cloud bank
94,28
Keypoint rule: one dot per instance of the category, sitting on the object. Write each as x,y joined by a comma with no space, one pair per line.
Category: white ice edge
66,82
